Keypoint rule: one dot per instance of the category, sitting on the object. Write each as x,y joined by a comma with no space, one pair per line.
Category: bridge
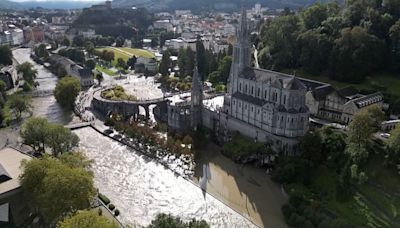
41,93
75,126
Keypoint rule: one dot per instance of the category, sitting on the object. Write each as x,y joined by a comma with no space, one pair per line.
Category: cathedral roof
321,92
249,99
275,78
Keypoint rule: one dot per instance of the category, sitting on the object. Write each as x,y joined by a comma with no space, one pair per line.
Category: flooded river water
44,106
142,188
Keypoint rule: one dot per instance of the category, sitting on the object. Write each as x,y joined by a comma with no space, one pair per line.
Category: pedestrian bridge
41,93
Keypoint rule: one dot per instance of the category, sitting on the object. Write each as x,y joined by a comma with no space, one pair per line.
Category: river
142,188
44,106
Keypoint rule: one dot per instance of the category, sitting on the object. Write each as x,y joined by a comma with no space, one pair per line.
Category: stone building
9,75
265,105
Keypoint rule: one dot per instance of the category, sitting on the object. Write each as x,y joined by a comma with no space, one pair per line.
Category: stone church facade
264,105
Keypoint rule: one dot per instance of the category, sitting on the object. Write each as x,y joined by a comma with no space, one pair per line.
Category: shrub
100,212
104,199
111,206
116,212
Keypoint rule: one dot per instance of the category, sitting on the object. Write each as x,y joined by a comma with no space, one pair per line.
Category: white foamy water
141,188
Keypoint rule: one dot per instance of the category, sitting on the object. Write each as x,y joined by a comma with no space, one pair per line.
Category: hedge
111,206
116,212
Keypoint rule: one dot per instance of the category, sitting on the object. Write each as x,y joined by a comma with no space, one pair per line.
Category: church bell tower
196,100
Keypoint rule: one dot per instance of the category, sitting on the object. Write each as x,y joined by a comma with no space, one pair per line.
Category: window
240,87
245,106
284,99
245,88
252,109
252,90
233,102
265,94
258,92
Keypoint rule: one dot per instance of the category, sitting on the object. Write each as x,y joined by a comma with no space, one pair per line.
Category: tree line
346,43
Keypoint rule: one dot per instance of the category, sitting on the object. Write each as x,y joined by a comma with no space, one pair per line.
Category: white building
17,36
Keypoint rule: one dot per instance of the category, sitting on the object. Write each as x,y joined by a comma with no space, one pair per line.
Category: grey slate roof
249,99
273,77
348,91
321,92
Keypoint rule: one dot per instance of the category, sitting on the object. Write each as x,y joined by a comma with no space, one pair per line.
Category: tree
19,104
41,51
78,41
65,42
89,46
311,147
28,72
66,91
354,54
87,219
201,58
131,62
168,221
34,132
225,68
5,55
61,71
60,139
393,146
314,15
91,64
165,64
121,63
49,180
38,133
119,42
99,76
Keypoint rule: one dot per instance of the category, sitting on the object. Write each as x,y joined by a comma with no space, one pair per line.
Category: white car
385,135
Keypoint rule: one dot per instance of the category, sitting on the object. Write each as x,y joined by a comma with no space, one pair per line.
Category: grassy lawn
139,52
126,53
105,70
381,82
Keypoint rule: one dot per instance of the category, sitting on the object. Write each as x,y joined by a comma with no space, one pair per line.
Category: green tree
91,64
78,41
169,221
87,219
314,15
66,91
119,42
131,62
28,72
60,139
41,51
5,55
61,71
311,147
19,104
182,62
34,132
165,64
65,42
201,58
121,63
89,46
354,54
225,68
48,180
393,146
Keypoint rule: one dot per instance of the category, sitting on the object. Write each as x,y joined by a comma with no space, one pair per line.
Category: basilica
264,105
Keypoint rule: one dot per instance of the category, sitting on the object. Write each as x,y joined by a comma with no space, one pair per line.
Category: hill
5,4
196,5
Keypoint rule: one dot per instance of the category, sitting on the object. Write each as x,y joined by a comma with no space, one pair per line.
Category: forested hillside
347,44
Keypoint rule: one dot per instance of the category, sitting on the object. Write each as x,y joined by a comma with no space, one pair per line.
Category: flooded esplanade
142,188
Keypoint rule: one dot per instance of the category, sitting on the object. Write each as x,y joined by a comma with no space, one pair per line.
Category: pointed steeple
243,32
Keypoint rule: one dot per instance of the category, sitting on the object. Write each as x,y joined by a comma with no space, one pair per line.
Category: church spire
243,32
196,99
